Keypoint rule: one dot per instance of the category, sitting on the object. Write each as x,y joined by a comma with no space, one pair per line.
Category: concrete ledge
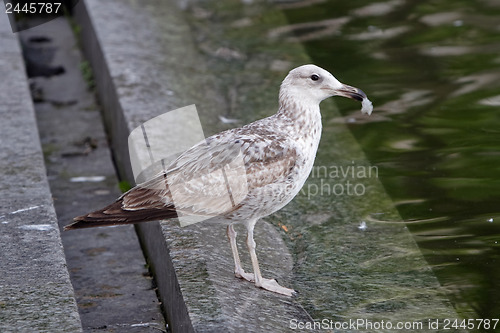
151,57
35,290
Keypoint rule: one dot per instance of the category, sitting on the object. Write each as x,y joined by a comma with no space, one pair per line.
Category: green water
432,70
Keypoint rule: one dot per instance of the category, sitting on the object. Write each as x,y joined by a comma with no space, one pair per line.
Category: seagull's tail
114,214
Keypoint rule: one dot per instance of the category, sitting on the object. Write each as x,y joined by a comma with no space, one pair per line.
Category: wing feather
214,176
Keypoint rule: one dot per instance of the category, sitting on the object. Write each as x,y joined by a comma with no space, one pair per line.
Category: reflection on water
432,70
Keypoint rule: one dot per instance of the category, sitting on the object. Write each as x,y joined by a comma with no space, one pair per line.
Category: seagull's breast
279,159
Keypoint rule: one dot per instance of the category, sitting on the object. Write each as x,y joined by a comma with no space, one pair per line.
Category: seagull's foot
241,274
272,285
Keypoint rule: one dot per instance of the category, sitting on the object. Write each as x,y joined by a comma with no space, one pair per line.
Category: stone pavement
113,288
36,294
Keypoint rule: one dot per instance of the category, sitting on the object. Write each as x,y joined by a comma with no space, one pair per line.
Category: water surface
432,70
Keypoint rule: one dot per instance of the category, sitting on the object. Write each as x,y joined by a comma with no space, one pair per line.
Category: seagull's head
312,84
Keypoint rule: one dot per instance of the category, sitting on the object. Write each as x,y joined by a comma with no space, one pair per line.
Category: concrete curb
150,58
36,294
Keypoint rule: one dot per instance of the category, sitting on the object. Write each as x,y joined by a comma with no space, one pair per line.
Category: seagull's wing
211,178
214,176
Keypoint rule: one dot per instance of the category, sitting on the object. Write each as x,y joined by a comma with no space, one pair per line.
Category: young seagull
277,155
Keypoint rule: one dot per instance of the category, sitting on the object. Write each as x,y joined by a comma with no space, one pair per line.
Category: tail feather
114,214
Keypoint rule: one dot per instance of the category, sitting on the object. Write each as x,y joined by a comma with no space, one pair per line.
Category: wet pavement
114,290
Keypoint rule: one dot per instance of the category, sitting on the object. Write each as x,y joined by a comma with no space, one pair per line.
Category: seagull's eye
315,77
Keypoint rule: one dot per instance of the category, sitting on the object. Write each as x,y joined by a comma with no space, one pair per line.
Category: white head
312,84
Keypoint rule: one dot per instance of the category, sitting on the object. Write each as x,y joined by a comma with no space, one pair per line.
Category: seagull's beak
340,89
350,92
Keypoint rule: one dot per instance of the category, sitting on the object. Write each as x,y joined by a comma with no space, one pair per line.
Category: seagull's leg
238,270
268,284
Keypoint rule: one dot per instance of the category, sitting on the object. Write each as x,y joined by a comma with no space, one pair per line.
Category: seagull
277,154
